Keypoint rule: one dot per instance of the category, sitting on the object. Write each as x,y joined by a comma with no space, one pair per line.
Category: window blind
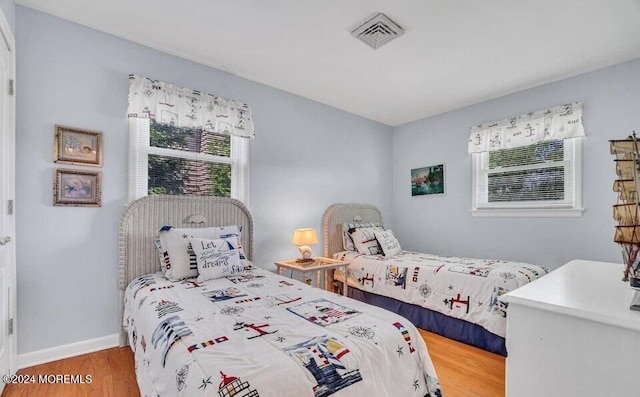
538,175
138,157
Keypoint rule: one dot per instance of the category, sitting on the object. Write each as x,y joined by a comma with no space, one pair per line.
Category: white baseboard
65,351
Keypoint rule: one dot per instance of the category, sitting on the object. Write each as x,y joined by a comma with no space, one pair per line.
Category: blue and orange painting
427,180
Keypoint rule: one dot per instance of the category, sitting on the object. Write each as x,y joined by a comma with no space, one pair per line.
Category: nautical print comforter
260,335
463,288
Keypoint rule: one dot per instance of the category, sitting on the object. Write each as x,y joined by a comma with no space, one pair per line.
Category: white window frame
573,156
140,149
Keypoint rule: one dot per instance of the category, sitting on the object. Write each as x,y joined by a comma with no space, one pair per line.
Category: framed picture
77,188
77,146
427,180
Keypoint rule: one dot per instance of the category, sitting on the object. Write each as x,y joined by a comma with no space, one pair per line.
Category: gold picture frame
77,188
77,146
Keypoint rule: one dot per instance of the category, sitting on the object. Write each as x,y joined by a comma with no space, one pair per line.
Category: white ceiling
454,52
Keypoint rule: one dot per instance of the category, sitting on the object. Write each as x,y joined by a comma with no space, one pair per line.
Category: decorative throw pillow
162,254
388,242
348,228
365,241
216,258
180,261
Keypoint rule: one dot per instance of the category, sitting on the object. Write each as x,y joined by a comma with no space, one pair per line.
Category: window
172,146
165,159
542,179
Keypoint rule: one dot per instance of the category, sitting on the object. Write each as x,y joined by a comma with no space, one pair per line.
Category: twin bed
253,333
452,296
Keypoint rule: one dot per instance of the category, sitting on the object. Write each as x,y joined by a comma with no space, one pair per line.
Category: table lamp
302,238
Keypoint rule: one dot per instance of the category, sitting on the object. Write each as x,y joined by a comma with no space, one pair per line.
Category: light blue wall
9,10
443,224
301,162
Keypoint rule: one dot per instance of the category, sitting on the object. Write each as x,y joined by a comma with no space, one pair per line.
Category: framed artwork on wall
77,188
77,146
427,180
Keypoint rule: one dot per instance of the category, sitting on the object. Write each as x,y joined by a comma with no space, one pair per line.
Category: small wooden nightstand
320,265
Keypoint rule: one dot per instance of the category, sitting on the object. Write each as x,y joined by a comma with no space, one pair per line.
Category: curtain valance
183,107
559,122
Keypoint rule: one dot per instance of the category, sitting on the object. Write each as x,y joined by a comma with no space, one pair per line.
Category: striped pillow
348,228
365,241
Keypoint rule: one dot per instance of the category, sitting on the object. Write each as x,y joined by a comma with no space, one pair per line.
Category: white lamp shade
304,237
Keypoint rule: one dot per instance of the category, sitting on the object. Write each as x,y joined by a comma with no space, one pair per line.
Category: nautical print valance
559,122
184,107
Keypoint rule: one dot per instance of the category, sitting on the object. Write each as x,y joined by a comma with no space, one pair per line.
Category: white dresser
571,333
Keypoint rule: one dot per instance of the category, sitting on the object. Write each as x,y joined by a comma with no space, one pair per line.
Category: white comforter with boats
464,288
260,334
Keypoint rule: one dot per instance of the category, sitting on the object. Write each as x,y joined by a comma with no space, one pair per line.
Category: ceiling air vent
377,31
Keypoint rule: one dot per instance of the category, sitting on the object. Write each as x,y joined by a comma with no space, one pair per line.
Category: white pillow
216,258
348,228
162,254
180,261
365,241
388,242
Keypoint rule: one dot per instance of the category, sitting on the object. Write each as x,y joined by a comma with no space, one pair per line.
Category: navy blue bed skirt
435,322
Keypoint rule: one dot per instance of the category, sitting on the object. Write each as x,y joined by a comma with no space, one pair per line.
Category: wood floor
112,372
464,371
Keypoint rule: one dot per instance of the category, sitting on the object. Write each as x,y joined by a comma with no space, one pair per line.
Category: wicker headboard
143,218
337,214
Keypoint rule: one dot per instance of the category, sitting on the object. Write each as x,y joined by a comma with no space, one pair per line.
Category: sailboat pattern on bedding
259,334
464,288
